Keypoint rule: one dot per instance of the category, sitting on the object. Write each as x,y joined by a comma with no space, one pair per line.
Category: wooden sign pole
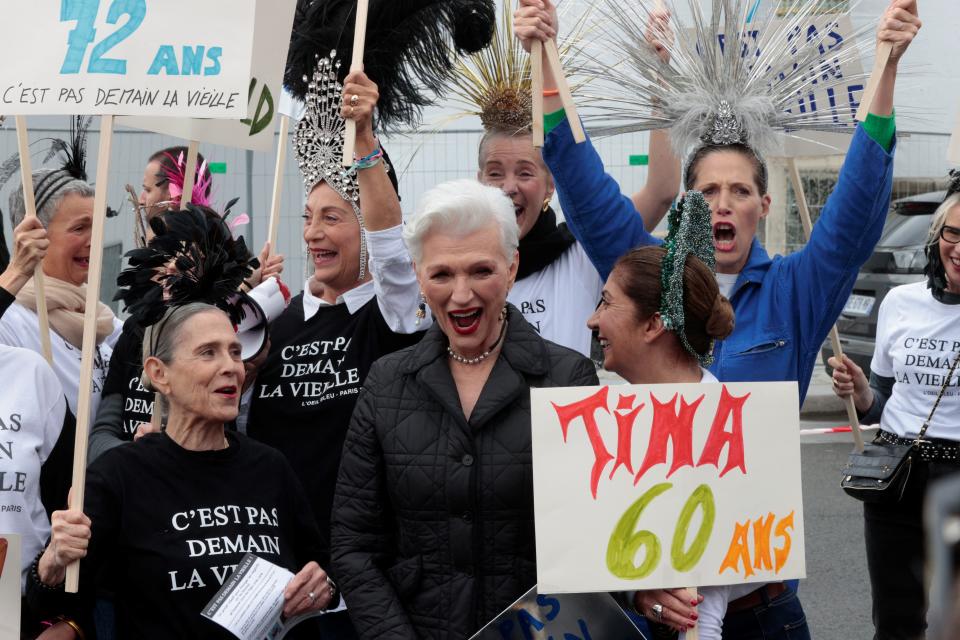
866,101
190,174
90,332
359,44
804,210
30,204
278,182
536,91
569,107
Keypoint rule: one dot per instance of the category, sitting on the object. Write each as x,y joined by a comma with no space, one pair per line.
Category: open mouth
519,209
323,257
466,321
955,261
229,391
83,262
724,236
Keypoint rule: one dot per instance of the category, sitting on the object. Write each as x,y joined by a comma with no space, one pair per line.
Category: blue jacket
785,306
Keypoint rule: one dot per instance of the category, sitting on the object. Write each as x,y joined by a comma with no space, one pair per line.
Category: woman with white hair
433,531
914,362
65,209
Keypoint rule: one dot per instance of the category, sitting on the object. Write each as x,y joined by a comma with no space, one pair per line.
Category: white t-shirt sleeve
710,613
53,424
882,362
394,280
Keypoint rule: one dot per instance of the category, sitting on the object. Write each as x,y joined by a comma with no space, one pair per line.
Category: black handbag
880,472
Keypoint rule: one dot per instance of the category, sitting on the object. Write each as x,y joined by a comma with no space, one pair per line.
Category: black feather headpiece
193,257
953,186
408,46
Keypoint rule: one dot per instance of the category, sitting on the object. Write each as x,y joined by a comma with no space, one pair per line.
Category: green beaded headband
690,232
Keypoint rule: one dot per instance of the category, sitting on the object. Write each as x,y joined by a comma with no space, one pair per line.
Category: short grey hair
160,339
461,207
940,218
48,202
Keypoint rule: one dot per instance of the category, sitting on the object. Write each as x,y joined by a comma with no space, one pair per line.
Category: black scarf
545,242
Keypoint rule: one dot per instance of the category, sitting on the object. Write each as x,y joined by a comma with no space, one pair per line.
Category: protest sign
953,152
9,587
659,486
834,104
186,58
271,40
581,615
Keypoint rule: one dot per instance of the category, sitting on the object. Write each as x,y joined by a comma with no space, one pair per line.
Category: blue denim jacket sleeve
822,274
601,218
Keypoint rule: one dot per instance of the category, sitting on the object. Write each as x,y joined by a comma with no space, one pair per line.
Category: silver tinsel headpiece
732,77
690,234
318,142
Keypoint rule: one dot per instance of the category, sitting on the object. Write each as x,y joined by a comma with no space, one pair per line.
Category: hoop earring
546,205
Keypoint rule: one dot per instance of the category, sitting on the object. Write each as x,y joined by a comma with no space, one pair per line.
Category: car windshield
905,231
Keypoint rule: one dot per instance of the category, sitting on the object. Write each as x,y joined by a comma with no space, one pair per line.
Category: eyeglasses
950,234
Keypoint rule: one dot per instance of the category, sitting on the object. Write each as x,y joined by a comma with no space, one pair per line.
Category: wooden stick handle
866,100
359,44
694,632
190,173
278,182
569,107
536,89
804,210
90,332
30,203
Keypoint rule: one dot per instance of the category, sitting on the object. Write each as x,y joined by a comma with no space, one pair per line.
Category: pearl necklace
483,356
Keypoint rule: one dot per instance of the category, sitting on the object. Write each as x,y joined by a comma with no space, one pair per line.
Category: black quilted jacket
433,531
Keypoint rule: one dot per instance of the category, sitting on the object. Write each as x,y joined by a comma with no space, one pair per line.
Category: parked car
898,259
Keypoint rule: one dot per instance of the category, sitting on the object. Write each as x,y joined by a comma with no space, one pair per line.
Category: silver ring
354,100
657,611
311,596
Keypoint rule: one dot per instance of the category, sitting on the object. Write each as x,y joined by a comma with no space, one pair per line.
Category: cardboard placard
660,486
838,104
582,615
271,41
184,58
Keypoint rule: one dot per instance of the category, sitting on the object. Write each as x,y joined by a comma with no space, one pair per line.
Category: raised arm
603,220
361,544
394,279
852,219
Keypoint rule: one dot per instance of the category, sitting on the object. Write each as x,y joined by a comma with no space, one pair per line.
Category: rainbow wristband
367,161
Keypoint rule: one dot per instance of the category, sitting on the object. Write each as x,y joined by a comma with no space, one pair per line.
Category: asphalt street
836,593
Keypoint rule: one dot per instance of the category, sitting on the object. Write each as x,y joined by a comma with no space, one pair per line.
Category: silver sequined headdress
733,77
318,142
690,234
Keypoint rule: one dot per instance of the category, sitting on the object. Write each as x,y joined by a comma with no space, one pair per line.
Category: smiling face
728,182
512,164
205,375
68,257
949,252
618,329
465,280
332,233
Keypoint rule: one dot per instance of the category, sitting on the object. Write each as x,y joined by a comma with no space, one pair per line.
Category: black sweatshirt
170,525
306,390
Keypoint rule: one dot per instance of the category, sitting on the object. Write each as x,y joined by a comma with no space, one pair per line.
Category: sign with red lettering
658,486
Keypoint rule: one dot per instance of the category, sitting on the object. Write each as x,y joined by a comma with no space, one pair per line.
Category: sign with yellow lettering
659,486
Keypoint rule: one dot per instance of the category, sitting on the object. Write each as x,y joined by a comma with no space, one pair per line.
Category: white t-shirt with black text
558,299
917,339
32,407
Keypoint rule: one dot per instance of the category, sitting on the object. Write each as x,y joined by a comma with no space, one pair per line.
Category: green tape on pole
639,161
217,167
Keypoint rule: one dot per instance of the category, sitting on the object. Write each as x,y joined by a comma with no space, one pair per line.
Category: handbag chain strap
946,383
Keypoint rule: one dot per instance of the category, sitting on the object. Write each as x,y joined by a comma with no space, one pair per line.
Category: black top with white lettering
170,525
305,392
126,366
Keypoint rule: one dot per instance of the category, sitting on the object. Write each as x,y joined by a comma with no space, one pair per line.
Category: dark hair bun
720,322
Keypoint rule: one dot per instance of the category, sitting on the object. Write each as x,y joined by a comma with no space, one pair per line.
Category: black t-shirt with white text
123,377
305,392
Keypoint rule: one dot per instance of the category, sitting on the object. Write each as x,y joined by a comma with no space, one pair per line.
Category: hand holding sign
898,27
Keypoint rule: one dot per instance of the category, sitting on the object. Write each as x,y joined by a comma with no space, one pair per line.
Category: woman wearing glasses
918,340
